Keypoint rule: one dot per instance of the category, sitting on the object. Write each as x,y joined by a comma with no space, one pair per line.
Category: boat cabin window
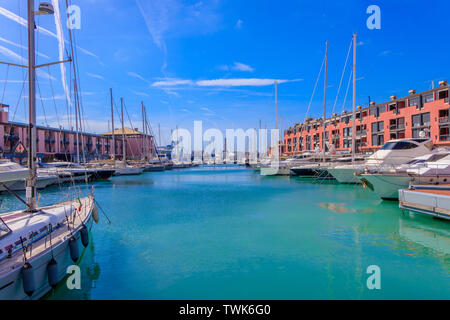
436,157
400,145
415,161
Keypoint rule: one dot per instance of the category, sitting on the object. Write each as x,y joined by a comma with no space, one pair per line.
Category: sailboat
39,243
122,168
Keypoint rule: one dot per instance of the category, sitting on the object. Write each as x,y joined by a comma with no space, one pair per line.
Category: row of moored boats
412,171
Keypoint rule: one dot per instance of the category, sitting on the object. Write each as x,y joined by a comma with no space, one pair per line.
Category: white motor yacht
433,168
391,154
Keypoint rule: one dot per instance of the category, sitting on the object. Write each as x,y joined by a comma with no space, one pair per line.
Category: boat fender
52,270
84,234
95,213
28,279
73,247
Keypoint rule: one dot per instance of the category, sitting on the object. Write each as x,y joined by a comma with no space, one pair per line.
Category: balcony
444,120
361,133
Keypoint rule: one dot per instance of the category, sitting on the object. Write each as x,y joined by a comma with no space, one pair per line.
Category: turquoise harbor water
228,233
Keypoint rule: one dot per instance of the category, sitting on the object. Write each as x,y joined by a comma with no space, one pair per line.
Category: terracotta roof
127,131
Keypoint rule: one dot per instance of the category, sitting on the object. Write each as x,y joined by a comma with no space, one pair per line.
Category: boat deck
429,199
72,222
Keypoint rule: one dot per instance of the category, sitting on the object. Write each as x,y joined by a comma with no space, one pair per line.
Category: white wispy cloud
138,76
96,76
253,82
242,67
23,22
238,24
22,47
171,82
237,66
236,82
207,110
142,94
12,55
21,60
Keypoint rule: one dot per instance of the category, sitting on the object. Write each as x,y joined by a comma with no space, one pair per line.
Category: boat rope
23,250
342,76
103,211
312,97
6,81
346,91
50,237
42,102
53,95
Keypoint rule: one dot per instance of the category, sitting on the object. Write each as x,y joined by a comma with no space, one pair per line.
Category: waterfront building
61,144
416,115
138,144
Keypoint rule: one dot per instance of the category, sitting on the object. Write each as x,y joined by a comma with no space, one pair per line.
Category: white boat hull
434,204
346,175
128,171
274,171
41,183
386,186
11,284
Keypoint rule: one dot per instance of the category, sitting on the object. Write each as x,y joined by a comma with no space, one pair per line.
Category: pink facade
62,143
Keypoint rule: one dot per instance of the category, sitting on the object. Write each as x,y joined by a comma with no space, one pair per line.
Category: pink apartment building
61,144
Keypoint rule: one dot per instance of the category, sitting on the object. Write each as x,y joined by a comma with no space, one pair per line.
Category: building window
443,94
414,101
428,98
422,119
444,134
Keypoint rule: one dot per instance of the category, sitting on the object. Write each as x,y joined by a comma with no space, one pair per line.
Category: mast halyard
113,133
124,147
143,130
325,103
354,100
31,181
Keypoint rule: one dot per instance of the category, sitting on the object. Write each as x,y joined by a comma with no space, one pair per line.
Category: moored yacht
11,173
123,169
37,244
433,168
391,154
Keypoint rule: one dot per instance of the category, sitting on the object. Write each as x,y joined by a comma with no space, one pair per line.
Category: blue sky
216,60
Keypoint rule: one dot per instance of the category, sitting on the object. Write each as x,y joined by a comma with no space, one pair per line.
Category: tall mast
354,100
124,146
31,181
159,133
76,123
112,126
276,106
325,101
143,129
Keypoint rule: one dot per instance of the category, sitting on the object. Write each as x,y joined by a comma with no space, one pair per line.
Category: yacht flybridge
391,154
57,232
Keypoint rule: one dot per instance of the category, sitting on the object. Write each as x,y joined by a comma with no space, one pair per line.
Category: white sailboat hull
11,284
